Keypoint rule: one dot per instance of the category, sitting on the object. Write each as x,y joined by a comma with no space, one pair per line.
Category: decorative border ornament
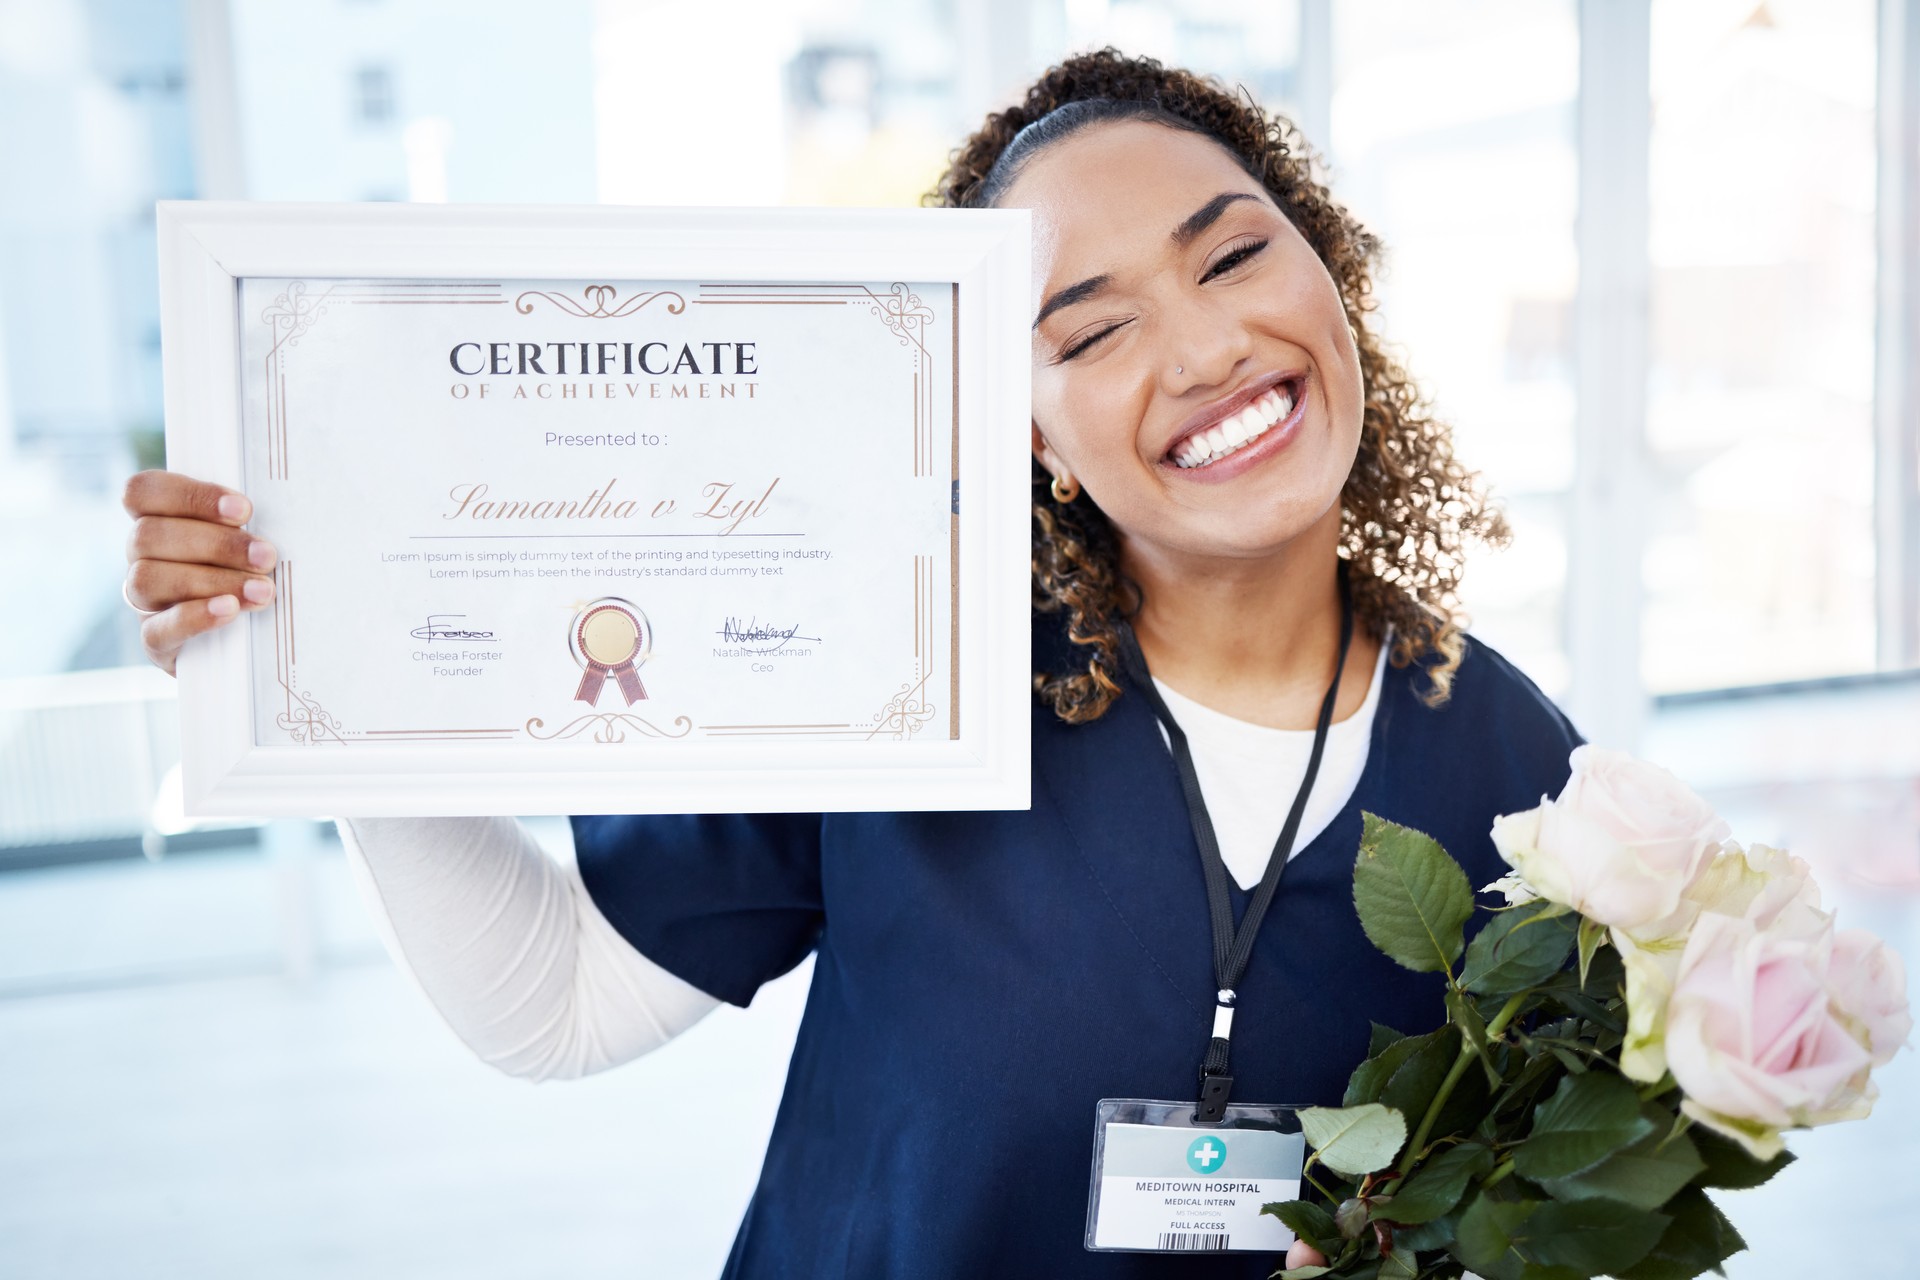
287,318
597,302
303,718
608,726
905,314
908,711
295,311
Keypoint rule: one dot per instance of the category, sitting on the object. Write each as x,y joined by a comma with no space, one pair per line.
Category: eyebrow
1181,236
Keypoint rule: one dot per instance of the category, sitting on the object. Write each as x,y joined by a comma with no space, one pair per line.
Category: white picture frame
206,251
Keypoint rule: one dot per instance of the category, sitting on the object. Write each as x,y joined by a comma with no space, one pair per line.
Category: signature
438,628
733,631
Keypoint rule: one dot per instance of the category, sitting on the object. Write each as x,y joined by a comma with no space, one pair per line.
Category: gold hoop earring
1066,493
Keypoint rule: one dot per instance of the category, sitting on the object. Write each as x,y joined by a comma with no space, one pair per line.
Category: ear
1044,454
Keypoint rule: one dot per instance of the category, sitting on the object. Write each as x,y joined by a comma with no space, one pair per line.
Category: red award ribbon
608,638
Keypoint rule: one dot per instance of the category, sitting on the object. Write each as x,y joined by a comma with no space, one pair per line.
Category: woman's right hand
190,566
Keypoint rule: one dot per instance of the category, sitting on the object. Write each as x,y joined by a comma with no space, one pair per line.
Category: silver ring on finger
145,613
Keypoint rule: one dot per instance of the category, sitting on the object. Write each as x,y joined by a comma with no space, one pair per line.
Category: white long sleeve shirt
505,942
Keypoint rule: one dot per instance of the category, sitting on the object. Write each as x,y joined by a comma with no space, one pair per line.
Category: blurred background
1658,260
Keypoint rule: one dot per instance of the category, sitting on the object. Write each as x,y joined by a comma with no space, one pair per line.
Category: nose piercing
1179,368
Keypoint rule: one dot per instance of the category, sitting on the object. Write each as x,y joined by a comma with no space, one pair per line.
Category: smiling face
1192,365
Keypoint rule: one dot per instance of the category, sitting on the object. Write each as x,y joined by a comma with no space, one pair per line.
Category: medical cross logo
1206,1155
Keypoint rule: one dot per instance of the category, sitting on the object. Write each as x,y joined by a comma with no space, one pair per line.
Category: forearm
506,943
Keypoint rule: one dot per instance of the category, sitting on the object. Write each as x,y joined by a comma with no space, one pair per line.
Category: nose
1205,344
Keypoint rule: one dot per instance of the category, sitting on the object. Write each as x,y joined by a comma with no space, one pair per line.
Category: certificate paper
630,541
562,509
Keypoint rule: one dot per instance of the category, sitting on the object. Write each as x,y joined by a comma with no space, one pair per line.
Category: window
1759,562
1453,140
373,95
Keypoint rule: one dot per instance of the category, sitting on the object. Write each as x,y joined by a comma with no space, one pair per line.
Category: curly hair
1408,505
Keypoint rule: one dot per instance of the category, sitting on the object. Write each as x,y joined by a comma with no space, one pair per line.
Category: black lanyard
1232,948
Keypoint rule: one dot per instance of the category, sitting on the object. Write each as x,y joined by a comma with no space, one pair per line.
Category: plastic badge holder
1164,1183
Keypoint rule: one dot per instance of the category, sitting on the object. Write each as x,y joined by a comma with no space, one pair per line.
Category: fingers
1302,1254
166,631
192,568
197,542
168,493
153,585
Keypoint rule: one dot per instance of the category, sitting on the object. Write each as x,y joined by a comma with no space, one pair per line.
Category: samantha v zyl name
718,500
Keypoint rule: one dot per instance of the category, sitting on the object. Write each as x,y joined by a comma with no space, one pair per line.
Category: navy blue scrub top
983,978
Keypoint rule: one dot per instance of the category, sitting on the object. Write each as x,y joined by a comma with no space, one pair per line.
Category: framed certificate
604,510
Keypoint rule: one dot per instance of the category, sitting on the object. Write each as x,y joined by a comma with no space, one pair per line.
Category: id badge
1164,1184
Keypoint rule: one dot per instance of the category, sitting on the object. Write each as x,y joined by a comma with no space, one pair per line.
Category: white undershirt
505,942
1249,773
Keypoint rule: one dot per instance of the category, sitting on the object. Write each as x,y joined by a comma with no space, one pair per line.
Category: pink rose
1754,1037
1620,844
1868,986
1760,884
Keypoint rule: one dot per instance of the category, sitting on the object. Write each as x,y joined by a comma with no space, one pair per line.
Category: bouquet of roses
1652,1008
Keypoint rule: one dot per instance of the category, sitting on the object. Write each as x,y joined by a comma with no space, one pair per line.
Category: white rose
1620,844
1513,888
1650,970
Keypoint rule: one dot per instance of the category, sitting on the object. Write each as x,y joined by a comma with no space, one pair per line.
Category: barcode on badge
1194,1241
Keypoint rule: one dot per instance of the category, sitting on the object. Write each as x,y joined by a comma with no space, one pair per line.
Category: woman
1223,455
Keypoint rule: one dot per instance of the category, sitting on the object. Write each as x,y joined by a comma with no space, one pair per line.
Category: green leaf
1354,1140
1645,1175
1437,1234
1563,989
1473,1030
1399,1265
1597,1237
1729,1165
1592,934
1302,1273
1351,1218
1464,1108
1518,1096
1698,1239
1411,1088
1413,899
1485,1236
1436,1186
1371,1076
1607,974
1517,949
1534,1271
1306,1220
1380,1037
1588,1118
1568,1059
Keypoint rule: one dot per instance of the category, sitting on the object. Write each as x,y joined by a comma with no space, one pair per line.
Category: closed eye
1225,264
1088,341
1235,258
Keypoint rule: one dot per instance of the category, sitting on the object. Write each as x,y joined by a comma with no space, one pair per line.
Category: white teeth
1237,431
